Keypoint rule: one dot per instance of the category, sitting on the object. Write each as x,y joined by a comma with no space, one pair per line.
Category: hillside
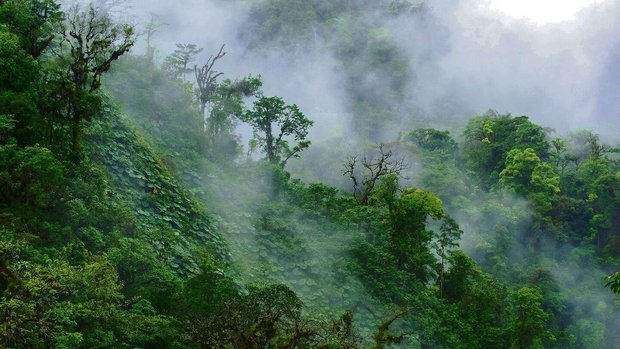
147,202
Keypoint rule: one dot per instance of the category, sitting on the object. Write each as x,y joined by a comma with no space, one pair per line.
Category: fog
464,59
448,60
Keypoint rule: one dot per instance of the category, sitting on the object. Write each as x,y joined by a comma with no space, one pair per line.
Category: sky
554,61
541,11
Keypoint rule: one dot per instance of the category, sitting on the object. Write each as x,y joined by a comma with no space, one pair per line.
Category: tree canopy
280,129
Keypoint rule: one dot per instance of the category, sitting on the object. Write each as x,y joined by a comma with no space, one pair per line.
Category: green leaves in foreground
613,282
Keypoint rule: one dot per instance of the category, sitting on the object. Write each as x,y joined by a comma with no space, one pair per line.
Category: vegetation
130,219
273,122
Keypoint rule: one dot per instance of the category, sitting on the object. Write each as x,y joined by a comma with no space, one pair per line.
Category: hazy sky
554,60
541,11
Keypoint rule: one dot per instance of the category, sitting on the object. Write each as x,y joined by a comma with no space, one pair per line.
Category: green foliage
529,176
613,282
90,42
17,68
120,251
218,314
447,238
520,165
480,301
226,107
7,125
160,106
33,21
490,138
144,274
410,238
53,304
528,320
28,126
177,63
274,123
327,249
433,140
167,211
31,178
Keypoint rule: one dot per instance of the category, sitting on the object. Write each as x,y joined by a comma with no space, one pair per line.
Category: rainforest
307,174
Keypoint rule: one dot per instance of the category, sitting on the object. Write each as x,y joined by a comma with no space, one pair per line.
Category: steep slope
177,224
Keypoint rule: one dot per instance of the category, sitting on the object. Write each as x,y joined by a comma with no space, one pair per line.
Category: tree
226,105
149,30
585,145
33,21
558,154
218,315
373,169
17,69
527,175
520,165
176,64
447,238
410,239
30,177
206,79
90,42
275,124
433,140
480,302
530,135
489,139
57,305
527,323
7,125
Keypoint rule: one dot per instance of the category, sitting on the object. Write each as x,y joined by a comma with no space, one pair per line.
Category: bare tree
206,79
373,168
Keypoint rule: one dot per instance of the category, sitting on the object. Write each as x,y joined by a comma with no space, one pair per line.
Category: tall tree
178,61
527,175
527,323
275,125
226,105
90,42
447,238
206,79
410,238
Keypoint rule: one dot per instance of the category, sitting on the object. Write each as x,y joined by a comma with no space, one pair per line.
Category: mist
452,60
309,174
462,54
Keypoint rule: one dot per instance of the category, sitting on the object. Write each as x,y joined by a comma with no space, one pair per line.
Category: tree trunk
269,144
